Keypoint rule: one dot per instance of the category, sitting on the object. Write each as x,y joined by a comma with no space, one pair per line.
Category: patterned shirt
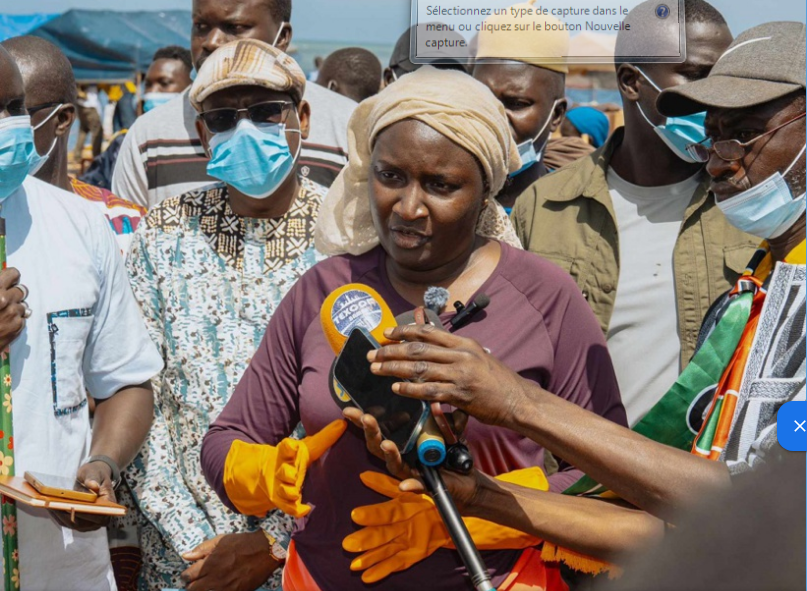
123,216
208,281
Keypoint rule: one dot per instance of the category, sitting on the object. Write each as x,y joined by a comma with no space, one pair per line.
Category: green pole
11,554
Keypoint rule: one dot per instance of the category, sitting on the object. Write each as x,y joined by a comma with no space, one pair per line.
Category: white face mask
38,166
279,31
766,210
529,155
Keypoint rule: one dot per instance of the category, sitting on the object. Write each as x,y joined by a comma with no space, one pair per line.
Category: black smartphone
399,418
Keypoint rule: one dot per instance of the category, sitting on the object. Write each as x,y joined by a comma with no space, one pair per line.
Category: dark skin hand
232,562
12,310
120,425
772,153
218,22
457,371
603,529
642,158
386,450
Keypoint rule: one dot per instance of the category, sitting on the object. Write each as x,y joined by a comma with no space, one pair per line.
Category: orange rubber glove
407,529
259,478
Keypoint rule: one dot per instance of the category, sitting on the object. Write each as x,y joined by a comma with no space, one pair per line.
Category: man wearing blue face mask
76,329
755,151
50,96
633,222
162,155
514,67
168,75
209,267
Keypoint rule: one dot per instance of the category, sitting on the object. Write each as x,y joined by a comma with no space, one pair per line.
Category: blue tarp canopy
111,46
13,25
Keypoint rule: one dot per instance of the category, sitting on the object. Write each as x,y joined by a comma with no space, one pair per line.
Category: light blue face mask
18,155
678,132
526,150
152,100
766,210
253,158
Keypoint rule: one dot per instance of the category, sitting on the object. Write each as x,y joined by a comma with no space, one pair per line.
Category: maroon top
537,323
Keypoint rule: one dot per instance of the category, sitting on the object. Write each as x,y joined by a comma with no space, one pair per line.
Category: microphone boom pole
456,528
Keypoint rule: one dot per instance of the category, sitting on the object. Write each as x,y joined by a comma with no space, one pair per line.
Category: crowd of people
646,318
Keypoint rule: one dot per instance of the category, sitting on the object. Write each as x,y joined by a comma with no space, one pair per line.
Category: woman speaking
414,208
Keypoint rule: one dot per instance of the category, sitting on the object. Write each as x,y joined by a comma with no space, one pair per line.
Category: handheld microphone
465,315
353,305
360,306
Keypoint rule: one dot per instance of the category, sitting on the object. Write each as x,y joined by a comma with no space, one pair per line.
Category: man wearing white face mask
162,155
50,96
209,267
634,223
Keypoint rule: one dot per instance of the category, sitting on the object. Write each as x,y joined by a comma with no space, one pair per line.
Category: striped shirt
162,155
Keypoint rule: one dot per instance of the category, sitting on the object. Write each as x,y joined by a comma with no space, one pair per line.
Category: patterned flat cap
247,62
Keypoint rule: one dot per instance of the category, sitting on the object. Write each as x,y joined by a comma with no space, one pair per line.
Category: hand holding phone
60,486
97,478
400,419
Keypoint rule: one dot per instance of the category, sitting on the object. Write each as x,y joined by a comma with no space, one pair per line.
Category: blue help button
791,426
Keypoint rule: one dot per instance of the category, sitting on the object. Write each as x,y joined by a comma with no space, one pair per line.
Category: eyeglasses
221,120
730,150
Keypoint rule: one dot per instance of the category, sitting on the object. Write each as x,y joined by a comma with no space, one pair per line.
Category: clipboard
18,489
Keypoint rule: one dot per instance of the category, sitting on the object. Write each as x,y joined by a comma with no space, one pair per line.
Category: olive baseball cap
763,64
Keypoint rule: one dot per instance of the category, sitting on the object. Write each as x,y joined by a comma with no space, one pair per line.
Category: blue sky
382,21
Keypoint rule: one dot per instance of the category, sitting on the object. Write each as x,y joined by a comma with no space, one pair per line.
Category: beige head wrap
247,62
450,102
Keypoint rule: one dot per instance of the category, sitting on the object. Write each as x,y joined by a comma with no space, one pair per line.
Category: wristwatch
112,466
277,551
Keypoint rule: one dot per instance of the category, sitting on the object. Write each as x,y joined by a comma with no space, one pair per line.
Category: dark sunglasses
730,150
221,120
